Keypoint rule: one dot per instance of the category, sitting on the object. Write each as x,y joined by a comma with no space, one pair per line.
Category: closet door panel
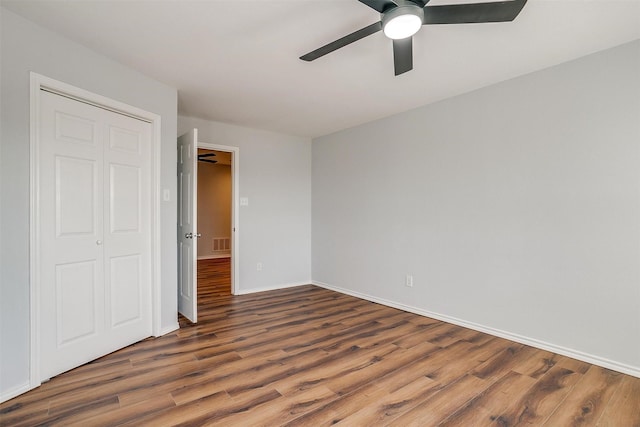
70,210
75,190
77,291
127,220
125,188
126,289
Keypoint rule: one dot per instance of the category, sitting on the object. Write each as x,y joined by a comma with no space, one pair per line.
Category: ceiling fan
401,19
205,158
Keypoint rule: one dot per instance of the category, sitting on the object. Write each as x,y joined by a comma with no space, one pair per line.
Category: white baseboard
168,329
15,391
214,256
575,354
271,288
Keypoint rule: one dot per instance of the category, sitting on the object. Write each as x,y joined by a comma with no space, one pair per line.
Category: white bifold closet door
94,186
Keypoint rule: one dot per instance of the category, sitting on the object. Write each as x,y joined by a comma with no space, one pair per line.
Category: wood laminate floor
307,356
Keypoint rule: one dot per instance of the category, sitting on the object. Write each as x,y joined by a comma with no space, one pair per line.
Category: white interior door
187,225
95,239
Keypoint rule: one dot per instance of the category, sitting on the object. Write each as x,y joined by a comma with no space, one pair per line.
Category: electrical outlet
259,266
408,281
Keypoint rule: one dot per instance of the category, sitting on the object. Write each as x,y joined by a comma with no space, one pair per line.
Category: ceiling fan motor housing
404,10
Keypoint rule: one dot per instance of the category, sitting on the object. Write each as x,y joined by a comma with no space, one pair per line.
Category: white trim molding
16,391
167,330
272,288
575,354
38,83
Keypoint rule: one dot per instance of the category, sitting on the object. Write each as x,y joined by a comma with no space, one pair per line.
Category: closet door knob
98,242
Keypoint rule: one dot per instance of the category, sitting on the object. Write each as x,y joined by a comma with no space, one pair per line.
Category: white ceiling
237,61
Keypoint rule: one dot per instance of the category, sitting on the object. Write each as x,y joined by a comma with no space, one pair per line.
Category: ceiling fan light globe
402,26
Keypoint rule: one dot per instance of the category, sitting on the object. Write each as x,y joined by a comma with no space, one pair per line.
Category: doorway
220,238
214,219
214,204
228,159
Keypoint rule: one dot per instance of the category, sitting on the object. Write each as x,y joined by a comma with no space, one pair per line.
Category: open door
187,225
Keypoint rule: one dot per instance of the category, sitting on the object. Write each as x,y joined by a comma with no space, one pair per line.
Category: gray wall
27,47
275,228
515,207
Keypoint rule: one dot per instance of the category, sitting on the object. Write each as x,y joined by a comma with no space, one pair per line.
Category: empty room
310,212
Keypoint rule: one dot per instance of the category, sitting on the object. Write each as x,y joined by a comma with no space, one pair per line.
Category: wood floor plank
329,367
489,348
278,369
163,380
536,405
624,407
155,403
62,413
451,363
207,406
572,364
233,407
448,334
219,378
437,408
538,365
418,337
485,408
24,414
421,366
288,409
392,405
339,408
307,356
502,362
587,399
383,334
377,368
334,338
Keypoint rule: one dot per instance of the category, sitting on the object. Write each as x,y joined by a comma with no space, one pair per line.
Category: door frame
38,83
235,211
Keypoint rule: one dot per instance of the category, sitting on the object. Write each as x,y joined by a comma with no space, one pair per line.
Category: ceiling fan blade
501,11
207,155
403,55
207,161
379,5
342,42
